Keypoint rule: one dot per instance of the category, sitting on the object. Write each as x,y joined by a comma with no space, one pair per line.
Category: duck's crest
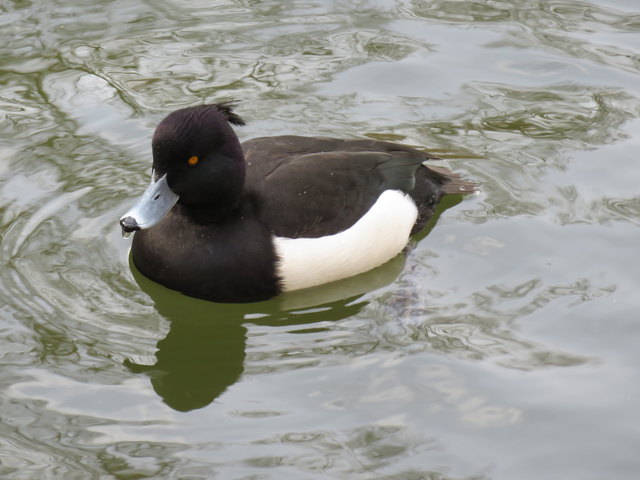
226,108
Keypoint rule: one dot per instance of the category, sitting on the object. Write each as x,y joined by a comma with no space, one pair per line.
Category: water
504,346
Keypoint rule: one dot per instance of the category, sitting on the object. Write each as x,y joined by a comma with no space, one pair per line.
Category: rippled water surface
505,344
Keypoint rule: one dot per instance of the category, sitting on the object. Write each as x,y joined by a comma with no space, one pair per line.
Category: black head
201,155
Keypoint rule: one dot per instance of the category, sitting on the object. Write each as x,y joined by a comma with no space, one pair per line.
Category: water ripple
512,319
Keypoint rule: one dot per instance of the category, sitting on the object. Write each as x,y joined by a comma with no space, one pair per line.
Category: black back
315,186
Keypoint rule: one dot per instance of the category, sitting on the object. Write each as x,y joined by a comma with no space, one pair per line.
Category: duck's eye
193,160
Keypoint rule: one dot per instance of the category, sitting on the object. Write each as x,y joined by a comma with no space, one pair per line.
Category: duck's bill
155,203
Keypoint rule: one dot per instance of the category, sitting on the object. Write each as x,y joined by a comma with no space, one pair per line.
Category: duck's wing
302,194
286,145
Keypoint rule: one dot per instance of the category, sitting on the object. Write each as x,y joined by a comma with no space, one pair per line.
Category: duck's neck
208,214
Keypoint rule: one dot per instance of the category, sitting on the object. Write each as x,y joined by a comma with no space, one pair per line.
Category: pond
503,345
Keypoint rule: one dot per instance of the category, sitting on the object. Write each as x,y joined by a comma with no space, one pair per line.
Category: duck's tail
432,183
452,183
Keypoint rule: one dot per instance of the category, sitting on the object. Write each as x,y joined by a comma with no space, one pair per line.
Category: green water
504,346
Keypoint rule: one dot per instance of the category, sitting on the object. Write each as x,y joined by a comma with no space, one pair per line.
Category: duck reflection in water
204,352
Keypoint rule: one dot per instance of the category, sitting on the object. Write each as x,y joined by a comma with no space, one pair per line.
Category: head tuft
226,108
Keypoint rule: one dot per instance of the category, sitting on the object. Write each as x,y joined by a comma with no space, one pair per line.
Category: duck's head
197,161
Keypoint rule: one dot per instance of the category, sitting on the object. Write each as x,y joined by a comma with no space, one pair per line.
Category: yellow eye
193,160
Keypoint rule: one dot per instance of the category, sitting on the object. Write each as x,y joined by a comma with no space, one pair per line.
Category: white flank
377,237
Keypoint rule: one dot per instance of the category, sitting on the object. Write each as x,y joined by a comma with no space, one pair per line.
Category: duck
236,222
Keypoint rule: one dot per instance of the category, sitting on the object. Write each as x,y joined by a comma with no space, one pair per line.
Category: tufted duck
232,222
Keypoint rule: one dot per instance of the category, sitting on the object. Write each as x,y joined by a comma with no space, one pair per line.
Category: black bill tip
129,225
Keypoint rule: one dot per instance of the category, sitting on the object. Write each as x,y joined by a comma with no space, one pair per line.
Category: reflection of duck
238,223
204,351
198,359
